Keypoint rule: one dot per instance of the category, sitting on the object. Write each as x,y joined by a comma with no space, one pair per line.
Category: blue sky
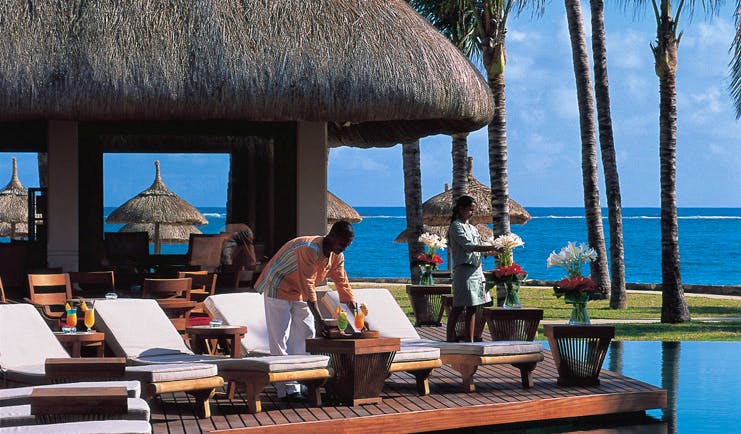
542,128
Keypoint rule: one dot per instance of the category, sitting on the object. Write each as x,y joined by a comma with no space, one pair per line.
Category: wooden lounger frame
254,382
467,364
421,371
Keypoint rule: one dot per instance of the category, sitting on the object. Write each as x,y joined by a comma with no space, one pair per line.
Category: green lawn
640,306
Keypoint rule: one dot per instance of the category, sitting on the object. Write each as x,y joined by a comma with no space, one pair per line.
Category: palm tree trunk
413,202
673,306
459,151
617,294
498,158
595,234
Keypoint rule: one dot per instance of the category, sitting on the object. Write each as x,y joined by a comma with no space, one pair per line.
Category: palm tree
459,151
673,306
478,28
617,294
585,99
735,86
413,202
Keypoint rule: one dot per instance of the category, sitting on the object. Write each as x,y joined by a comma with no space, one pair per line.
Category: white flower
572,257
433,241
507,242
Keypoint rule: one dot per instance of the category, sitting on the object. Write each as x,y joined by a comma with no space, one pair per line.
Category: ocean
709,242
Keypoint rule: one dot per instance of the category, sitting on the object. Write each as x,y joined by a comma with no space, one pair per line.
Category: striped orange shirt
293,272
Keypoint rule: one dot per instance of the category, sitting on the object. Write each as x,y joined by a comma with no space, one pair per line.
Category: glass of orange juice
89,318
359,320
72,319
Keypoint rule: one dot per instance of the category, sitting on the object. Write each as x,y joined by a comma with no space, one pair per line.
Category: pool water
703,386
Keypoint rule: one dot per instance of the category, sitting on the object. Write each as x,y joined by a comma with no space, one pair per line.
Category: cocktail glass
72,319
342,322
89,319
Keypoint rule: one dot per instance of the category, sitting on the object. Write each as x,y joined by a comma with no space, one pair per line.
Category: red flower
509,273
430,259
579,284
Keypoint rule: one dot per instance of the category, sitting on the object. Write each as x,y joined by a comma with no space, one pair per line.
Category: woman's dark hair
464,201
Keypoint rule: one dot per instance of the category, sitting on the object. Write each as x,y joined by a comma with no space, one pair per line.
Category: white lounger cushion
95,427
496,348
243,309
17,415
414,353
22,395
133,344
384,314
170,372
140,327
25,339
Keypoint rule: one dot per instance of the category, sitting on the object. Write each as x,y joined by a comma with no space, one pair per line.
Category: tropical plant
585,99
478,28
413,202
617,294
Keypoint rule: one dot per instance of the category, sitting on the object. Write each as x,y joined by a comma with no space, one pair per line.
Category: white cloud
563,102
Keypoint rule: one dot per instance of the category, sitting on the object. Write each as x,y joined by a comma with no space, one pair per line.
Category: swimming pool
703,386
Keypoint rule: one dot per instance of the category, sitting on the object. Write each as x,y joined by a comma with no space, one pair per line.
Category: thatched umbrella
436,211
19,230
442,231
157,205
14,204
374,70
338,210
168,234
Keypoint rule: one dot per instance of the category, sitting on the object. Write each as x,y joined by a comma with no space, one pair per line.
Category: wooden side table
360,366
426,303
75,341
513,324
578,352
228,337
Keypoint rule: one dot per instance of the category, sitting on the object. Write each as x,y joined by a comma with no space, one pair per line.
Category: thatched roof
374,69
169,234
157,204
442,231
338,210
14,200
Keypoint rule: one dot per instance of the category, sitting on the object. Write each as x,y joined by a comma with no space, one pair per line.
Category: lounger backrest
25,339
384,313
137,328
243,308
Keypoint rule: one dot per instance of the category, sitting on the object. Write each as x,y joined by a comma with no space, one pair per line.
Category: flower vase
426,277
579,315
512,300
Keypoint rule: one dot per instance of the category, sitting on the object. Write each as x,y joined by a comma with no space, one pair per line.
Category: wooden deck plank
498,390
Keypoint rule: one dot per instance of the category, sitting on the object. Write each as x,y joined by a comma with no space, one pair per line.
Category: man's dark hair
342,229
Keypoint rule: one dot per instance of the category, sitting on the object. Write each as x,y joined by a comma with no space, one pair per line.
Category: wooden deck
499,399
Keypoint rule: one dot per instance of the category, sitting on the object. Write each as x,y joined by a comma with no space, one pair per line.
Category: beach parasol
436,211
338,210
442,231
157,205
169,234
14,205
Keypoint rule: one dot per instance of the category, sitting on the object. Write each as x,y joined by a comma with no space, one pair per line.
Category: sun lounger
26,342
386,316
22,395
21,415
139,330
93,427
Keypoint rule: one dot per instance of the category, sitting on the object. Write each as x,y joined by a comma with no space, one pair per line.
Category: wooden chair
93,284
49,293
173,296
204,251
203,284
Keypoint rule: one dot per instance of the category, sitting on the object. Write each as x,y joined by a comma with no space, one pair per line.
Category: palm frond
735,73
